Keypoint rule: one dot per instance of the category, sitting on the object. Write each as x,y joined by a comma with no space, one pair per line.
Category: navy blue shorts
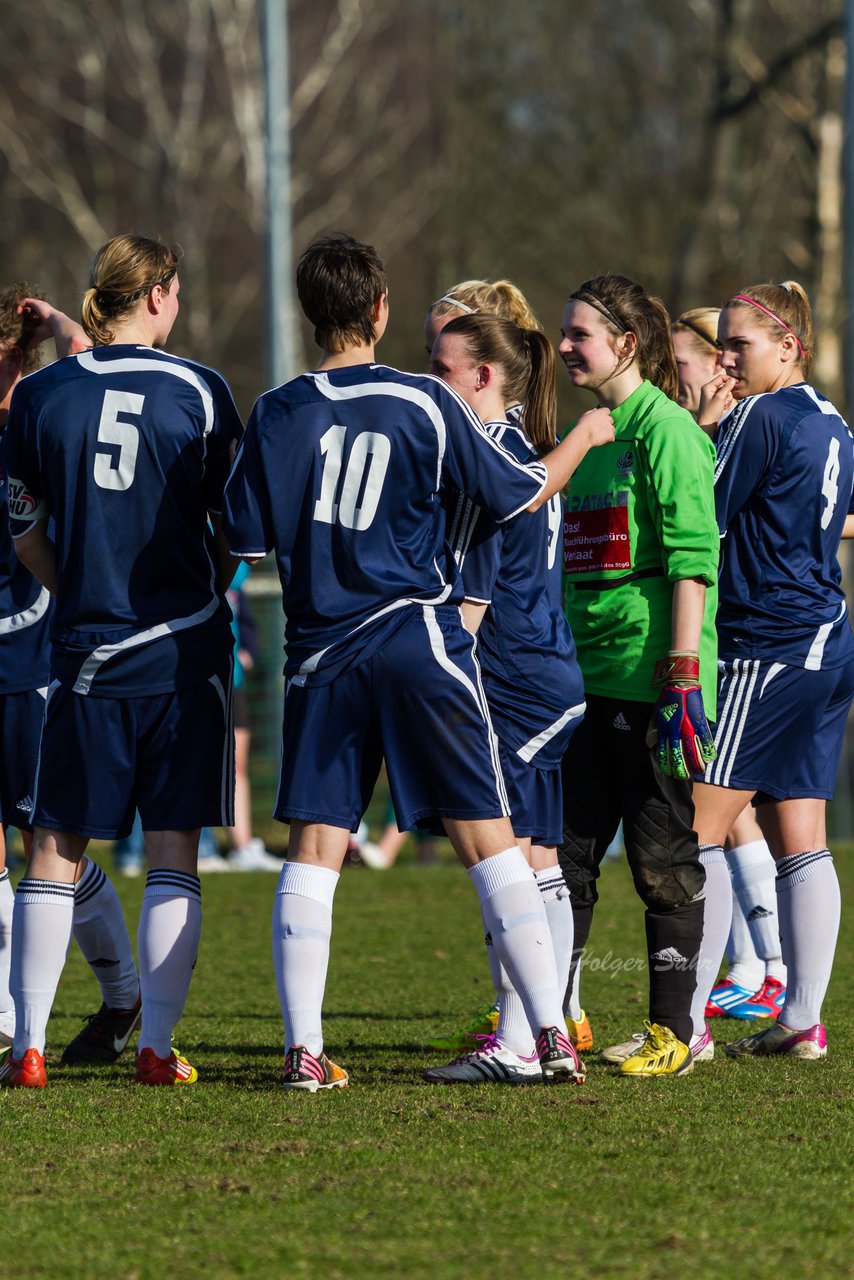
21,716
170,755
419,702
780,728
536,798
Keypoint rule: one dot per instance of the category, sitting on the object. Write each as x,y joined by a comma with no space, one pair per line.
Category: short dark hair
338,283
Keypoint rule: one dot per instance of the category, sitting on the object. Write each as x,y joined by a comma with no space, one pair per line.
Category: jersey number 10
356,504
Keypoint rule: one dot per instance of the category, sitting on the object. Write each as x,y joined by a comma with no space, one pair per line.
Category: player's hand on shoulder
598,425
716,399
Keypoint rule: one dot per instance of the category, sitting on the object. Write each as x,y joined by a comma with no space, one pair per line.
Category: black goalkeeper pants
610,774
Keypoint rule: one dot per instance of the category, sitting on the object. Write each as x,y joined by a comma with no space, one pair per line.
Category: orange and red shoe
173,1070
23,1073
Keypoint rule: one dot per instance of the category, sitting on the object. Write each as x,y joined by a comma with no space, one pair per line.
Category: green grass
740,1168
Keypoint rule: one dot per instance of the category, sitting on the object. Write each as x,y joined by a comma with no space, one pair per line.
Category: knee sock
170,925
513,1030
745,967
673,942
41,933
514,916
558,907
302,929
809,904
101,934
753,882
717,914
7,904
582,921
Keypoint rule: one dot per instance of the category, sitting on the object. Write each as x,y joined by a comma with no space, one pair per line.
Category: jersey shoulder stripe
730,432
152,364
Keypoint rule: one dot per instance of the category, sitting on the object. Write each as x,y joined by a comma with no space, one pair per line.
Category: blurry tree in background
694,144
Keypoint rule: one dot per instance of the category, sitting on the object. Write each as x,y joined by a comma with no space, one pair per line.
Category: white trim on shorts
437,645
732,720
530,749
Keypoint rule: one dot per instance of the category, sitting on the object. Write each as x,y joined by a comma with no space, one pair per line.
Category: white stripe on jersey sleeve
28,617
536,743
87,361
733,431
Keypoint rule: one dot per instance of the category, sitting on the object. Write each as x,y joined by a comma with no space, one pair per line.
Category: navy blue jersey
339,473
532,679
25,612
783,487
127,449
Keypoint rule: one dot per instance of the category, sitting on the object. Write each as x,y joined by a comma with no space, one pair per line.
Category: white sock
555,896
753,883
717,916
41,933
514,915
809,904
101,934
745,967
302,928
7,904
170,924
513,1029
573,1002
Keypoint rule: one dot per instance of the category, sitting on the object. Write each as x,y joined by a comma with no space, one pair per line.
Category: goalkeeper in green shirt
641,555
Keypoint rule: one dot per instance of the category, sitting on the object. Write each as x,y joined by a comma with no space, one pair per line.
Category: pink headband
742,297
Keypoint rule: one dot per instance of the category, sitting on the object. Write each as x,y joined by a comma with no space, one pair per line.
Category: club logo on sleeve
24,505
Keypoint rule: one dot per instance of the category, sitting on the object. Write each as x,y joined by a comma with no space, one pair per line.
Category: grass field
741,1168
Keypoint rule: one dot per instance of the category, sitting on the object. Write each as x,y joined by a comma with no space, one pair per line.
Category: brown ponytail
627,308
527,361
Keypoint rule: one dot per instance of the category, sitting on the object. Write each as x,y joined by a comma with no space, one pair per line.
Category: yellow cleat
580,1032
658,1054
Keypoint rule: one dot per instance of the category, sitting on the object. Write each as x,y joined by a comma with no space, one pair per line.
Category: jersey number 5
359,497
116,470
830,483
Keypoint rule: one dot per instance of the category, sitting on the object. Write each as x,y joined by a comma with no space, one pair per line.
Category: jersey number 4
830,483
353,502
115,461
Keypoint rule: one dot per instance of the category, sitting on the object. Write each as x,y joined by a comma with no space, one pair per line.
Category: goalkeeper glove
679,730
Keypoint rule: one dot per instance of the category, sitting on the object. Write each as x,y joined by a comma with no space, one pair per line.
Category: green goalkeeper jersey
640,516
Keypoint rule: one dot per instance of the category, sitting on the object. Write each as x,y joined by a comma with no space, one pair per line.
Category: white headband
461,306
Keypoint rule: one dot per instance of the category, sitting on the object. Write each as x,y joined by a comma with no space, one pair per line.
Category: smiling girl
640,553
783,486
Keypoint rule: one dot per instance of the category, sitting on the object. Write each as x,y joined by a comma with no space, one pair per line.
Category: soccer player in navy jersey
127,450
25,617
339,474
783,489
512,578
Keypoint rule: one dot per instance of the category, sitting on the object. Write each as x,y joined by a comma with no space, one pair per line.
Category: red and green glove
679,730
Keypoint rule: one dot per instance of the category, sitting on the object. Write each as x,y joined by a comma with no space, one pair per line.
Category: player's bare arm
49,322
594,428
36,551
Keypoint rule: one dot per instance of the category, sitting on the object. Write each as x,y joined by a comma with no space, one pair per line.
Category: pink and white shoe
559,1062
809,1045
702,1046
